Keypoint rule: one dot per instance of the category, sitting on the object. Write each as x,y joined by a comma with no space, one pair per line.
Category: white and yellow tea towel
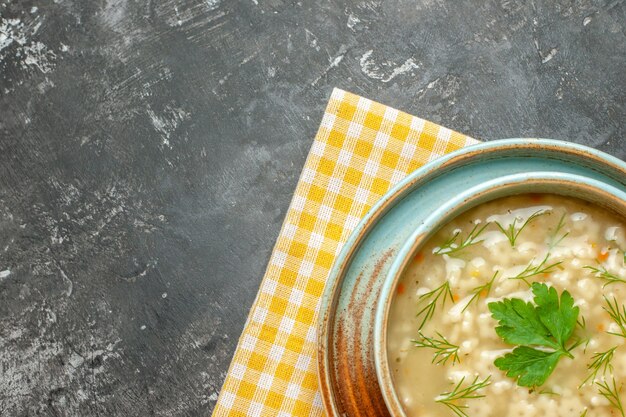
362,148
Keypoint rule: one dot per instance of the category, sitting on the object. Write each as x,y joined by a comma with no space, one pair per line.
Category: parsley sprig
459,392
548,325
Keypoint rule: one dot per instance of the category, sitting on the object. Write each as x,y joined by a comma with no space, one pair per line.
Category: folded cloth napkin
362,149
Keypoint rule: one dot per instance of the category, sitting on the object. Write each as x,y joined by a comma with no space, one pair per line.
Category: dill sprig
443,349
611,394
618,316
431,299
601,362
584,413
456,243
481,290
553,239
458,393
605,275
533,270
512,233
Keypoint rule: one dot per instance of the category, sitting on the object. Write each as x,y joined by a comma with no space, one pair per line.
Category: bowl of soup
509,300
426,307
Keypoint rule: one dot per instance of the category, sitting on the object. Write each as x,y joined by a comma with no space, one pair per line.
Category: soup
515,308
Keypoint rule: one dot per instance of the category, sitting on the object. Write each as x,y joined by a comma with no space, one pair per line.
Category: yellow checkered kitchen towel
362,148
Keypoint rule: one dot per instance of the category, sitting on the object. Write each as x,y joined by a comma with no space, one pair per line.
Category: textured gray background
149,150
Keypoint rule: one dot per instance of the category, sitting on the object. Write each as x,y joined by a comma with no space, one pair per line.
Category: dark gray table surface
149,150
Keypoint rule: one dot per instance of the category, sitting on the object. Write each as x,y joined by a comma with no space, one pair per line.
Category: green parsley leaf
559,316
531,366
549,323
520,323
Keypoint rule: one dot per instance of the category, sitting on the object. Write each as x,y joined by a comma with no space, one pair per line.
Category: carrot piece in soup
603,256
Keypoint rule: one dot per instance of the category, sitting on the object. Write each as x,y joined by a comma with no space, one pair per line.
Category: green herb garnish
534,270
481,290
611,394
432,298
455,243
512,233
618,316
601,362
584,413
451,399
548,325
605,275
553,239
444,350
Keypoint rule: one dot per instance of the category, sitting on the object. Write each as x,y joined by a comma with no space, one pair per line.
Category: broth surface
574,236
